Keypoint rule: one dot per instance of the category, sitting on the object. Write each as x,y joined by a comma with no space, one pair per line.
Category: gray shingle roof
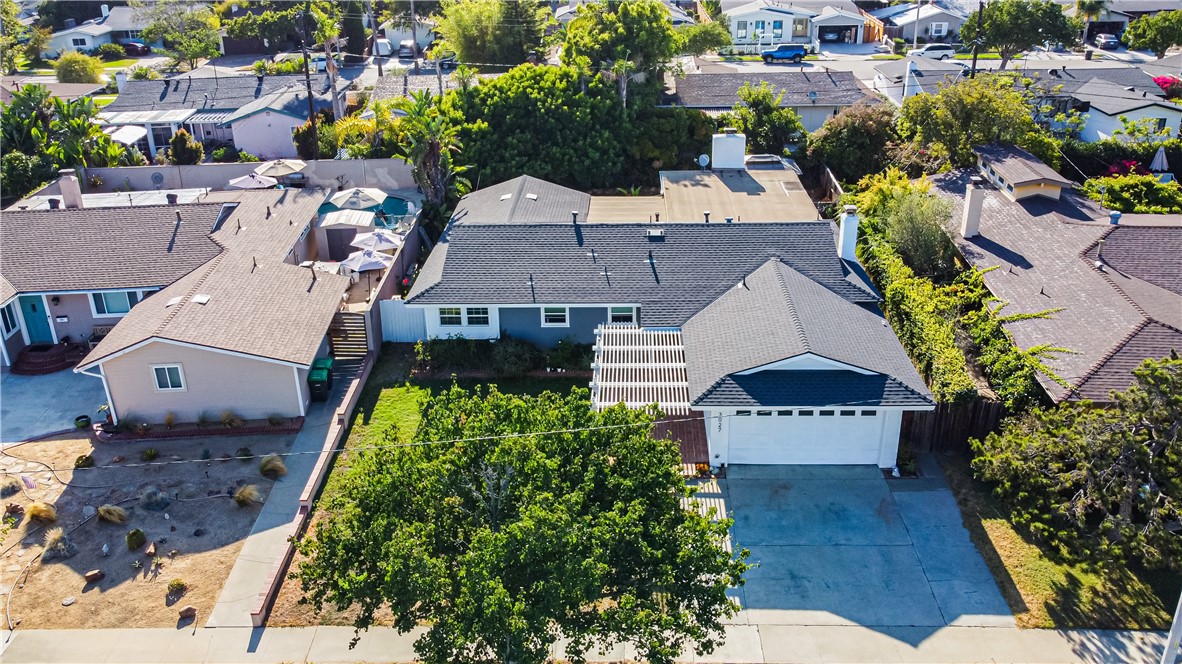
810,388
691,266
1018,166
1115,372
529,200
1149,253
393,87
227,92
1069,79
291,100
64,250
894,69
775,312
721,91
1112,99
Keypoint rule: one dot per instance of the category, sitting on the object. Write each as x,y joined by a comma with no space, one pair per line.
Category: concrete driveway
839,545
32,406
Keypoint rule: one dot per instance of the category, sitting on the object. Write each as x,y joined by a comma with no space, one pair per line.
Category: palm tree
1089,10
622,72
429,143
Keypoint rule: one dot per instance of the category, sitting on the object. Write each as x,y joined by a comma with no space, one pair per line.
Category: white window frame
458,315
79,41
740,29
139,297
777,29
468,316
938,29
11,323
612,312
184,387
565,317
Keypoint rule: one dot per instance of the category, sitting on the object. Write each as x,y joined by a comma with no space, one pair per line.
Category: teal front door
36,322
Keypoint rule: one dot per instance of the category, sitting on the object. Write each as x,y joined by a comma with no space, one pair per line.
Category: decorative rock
88,511
118,459
199,532
69,601
94,576
151,550
177,458
166,517
188,612
106,550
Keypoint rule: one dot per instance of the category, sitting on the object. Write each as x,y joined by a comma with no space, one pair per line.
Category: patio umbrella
278,168
1160,165
253,181
379,240
358,198
367,259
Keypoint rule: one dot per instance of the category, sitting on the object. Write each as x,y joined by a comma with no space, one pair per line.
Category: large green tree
603,33
189,32
10,30
1099,484
854,143
702,38
1155,32
544,519
769,127
353,27
493,32
274,26
1016,26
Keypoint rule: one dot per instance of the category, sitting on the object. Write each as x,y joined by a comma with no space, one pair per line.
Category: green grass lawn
886,56
981,56
102,100
1045,592
120,64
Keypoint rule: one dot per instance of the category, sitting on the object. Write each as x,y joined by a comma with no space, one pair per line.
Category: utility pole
1170,655
308,79
414,36
915,35
373,22
977,39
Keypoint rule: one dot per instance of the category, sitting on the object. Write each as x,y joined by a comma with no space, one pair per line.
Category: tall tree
639,31
430,144
10,30
1155,32
516,537
702,38
1016,26
1101,484
854,143
493,32
398,11
1089,10
189,32
769,127
353,27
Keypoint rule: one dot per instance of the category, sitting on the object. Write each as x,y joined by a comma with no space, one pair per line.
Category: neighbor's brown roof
100,248
1018,166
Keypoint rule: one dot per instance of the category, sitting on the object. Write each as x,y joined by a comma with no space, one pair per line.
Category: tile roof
671,277
98,248
810,388
721,91
188,92
522,199
775,312
1018,166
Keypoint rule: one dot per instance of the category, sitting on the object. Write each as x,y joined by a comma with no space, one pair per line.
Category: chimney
1114,218
55,204
970,220
729,149
105,10
120,80
71,190
171,198
847,237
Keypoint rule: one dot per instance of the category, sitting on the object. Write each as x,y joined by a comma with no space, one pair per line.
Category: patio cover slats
640,366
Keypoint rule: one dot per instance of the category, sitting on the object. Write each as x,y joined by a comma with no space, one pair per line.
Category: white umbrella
253,181
1160,165
278,168
358,198
379,240
367,259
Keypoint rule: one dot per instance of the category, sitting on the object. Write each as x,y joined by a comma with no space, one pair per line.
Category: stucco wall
768,39
214,382
59,44
76,307
526,323
266,135
925,24
13,344
1100,126
812,117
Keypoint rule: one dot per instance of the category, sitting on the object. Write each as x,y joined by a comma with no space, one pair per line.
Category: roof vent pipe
658,216
730,220
55,204
707,213
171,198
574,215
1114,218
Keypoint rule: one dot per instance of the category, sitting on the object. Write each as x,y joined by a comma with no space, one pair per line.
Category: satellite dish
703,160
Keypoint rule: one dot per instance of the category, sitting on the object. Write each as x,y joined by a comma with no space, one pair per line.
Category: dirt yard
182,502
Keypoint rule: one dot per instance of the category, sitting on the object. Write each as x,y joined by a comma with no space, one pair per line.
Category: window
784,413
763,413
741,30
777,29
759,30
826,413
478,315
742,413
1009,187
161,135
554,317
939,29
869,413
113,304
623,314
800,27
8,315
78,41
1159,124
169,377
450,316
806,413
848,413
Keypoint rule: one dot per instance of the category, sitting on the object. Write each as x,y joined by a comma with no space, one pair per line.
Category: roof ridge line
792,306
187,297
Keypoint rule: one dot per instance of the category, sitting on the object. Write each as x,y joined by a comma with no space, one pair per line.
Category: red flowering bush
1171,85
1126,167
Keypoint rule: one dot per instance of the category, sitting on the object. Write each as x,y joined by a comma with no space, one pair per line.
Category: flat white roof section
640,366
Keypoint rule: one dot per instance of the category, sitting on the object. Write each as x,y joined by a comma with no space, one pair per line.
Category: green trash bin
318,382
324,363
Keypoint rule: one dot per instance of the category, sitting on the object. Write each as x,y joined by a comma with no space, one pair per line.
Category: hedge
1095,159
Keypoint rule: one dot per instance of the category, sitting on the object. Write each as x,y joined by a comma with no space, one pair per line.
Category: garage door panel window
763,413
826,413
742,413
869,413
806,413
784,413
849,413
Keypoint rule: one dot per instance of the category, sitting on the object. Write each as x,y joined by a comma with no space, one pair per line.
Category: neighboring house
680,11
936,23
900,79
815,96
67,91
393,86
1117,286
424,33
264,126
117,25
1110,21
201,106
1105,103
742,324
1017,174
765,23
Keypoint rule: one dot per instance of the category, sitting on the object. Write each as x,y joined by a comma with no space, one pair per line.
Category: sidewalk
746,644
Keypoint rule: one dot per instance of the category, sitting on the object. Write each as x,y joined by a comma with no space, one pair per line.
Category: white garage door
806,439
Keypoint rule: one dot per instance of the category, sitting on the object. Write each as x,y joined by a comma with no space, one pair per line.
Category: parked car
793,52
382,48
1107,42
407,49
136,48
934,51
446,59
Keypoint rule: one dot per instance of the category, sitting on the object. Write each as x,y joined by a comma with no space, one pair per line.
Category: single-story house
116,25
815,95
769,333
1017,174
1111,21
1115,285
1102,95
936,22
263,127
394,85
765,23
424,33
202,105
680,11
67,91
899,79
1130,8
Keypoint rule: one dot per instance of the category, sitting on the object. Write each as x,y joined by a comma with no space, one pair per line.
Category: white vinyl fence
402,323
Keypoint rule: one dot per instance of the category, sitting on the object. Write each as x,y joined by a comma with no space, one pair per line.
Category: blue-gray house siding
526,323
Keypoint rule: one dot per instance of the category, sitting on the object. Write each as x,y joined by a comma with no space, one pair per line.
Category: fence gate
402,323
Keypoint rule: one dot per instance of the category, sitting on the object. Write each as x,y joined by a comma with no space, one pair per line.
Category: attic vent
175,300
654,232
201,298
532,197
506,197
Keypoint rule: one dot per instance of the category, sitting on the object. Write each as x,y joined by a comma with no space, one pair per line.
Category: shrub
246,495
112,514
135,538
272,466
231,419
514,357
58,545
185,150
1135,192
244,453
1170,85
42,512
246,157
206,454
570,355
177,587
225,155
916,227
9,486
1090,159
272,68
149,454
276,420
110,52
84,461
204,420
169,420
143,73
75,67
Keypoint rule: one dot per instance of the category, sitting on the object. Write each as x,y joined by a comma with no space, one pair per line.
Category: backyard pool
393,207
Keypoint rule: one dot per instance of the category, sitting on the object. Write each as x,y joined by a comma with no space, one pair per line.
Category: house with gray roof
815,95
743,324
899,79
1102,95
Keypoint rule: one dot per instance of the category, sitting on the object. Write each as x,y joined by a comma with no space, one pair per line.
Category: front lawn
1047,593
102,100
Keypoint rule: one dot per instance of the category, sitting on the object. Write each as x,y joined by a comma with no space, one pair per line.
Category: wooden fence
949,427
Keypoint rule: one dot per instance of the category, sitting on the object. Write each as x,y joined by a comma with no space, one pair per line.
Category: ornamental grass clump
247,495
112,514
272,467
42,512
